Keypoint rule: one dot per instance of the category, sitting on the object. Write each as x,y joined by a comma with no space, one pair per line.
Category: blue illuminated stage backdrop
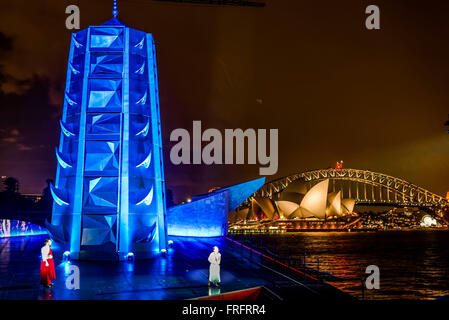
109,191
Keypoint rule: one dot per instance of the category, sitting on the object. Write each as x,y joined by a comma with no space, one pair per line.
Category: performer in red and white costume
47,265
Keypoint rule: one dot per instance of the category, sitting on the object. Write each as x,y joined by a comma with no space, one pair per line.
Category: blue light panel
109,190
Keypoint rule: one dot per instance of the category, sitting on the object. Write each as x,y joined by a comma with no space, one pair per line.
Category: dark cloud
5,48
5,44
28,123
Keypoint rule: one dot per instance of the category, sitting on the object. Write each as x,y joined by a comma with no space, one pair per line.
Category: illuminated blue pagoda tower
109,193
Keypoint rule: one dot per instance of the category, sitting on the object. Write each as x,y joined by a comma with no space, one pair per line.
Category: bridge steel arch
383,189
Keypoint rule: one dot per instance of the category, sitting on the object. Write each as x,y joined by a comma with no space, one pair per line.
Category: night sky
335,90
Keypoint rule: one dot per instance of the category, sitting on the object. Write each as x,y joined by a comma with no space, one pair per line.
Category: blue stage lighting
130,256
16,228
109,193
66,256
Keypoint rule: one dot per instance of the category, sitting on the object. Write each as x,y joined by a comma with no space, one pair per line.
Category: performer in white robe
214,269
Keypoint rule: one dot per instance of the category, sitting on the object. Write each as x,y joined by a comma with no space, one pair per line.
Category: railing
299,263
36,217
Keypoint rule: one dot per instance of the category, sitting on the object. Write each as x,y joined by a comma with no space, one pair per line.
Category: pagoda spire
114,9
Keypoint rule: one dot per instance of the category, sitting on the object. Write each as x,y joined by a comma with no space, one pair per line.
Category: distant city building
33,197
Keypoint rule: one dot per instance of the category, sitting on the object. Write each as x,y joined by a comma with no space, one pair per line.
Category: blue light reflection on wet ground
182,274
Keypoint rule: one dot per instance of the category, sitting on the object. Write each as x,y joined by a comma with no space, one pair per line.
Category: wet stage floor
181,274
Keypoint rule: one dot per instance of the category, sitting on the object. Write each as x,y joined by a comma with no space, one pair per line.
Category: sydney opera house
297,208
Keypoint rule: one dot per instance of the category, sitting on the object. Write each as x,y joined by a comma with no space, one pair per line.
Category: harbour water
413,264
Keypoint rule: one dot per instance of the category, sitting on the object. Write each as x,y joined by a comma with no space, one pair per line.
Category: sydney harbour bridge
364,186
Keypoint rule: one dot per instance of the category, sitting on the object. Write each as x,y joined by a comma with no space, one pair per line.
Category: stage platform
181,274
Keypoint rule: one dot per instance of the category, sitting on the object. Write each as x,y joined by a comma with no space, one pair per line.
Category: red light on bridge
213,189
339,165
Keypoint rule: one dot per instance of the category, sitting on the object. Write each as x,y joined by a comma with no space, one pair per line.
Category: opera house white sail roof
296,202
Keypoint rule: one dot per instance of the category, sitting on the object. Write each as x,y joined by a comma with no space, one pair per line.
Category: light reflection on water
413,264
